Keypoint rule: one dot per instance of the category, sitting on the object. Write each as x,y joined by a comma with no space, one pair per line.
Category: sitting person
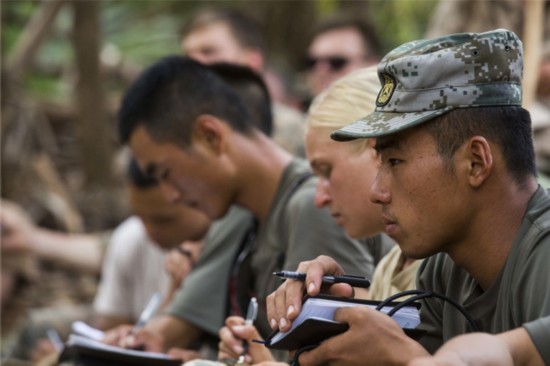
457,184
133,269
346,99
207,152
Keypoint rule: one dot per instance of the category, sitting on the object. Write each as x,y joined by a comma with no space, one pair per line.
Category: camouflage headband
422,80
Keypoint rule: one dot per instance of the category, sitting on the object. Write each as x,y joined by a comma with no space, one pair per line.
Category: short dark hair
509,127
363,25
247,31
252,90
137,178
168,97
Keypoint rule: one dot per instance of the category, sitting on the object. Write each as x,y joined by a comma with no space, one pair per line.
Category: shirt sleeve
539,331
202,299
112,298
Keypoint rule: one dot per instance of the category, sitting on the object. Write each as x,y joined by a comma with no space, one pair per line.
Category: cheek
431,204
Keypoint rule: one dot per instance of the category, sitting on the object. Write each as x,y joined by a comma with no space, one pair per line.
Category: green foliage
15,14
140,32
400,21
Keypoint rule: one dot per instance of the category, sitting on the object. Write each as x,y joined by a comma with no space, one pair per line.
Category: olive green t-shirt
202,299
520,296
295,231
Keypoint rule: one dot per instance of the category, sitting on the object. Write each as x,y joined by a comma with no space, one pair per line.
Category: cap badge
386,91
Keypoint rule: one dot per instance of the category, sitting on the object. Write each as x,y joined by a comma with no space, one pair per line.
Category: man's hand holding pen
136,337
284,305
232,336
237,346
124,336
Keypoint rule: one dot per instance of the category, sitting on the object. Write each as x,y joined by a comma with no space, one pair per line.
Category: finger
234,320
224,351
246,332
280,307
111,337
342,290
232,344
314,276
314,356
315,270
271,310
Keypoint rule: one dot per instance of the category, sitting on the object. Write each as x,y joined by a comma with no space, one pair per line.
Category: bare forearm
521,347
81,251
513,348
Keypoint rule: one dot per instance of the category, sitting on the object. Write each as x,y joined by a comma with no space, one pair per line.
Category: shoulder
538,213
533,239
128,238
235,223
130,228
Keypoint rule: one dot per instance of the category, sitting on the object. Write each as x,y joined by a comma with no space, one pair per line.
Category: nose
322,194
379,193
170,193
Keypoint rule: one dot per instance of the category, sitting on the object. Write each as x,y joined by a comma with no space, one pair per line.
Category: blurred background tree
66,64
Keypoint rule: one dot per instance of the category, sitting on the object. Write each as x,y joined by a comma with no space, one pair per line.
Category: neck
262,165
492,231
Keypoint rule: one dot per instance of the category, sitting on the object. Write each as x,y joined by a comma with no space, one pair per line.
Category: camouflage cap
424,79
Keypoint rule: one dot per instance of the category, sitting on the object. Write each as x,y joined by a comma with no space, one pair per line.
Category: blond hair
344,101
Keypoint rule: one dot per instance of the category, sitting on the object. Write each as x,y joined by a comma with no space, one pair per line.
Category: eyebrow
384,143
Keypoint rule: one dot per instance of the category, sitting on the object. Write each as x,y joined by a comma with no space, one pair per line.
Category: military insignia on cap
386,91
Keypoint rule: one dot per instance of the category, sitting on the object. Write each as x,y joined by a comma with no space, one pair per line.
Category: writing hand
232,336
284,305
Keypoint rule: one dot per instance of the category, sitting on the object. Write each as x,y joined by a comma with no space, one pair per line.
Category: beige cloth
389,280
289,129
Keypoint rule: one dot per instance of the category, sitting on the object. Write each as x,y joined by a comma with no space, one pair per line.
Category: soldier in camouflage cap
422,80
457,185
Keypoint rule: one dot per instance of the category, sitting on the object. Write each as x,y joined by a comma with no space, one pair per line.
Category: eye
164,175
393,162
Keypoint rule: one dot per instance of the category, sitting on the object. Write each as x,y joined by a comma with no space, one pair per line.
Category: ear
255,60
208,133
480,160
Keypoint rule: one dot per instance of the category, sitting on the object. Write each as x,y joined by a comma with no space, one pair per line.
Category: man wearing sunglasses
338,46
227,35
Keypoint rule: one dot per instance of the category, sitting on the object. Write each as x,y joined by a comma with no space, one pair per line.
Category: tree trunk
95,130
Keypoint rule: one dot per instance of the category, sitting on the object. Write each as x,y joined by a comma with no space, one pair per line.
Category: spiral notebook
83,349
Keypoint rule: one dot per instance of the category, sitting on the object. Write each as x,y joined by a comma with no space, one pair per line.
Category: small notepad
316,323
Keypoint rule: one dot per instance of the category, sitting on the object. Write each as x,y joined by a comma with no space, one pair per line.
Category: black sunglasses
336,63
